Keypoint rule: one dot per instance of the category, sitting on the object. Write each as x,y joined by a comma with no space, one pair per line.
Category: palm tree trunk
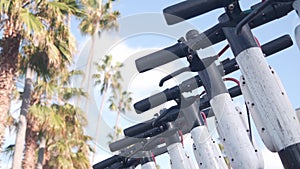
116,126
29,160
46,158
41,153
8,70
21,131
88,73
99,119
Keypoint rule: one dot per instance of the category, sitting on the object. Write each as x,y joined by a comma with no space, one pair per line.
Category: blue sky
286,63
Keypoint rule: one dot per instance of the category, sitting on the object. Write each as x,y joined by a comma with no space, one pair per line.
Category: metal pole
267,100
206,151
178,157
149,165
233,134
148,161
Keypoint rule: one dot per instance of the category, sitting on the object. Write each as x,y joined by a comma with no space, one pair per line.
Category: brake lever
256,12
157,121
170,76
181,102
251,16
196,65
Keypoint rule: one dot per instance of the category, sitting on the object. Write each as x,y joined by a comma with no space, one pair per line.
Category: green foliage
31,22
46,46
118,135
99,17
120,101
5,5
70,146
108,76
46,42
60,122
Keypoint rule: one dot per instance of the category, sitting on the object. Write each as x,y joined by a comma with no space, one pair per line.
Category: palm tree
21,128
74,147
41,153
115,135
10,43
44,47
108,77
8,63
100,17
120,102
63,143
32,135
38,109
54,120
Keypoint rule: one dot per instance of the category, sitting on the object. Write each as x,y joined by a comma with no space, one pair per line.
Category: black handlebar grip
168,115
156,99
150,102
189,9
277,45
161,57
138,128
268,49
123,143
108,162
235,91
167,95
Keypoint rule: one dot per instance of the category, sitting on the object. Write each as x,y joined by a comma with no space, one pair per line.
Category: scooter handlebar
189,9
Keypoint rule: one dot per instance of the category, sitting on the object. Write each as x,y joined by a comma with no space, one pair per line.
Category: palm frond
32,22
5,5
68,93
61,6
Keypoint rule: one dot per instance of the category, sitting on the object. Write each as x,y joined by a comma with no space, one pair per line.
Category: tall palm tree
21,128
39,108
10,43
43,34
100,17
108,76
32,135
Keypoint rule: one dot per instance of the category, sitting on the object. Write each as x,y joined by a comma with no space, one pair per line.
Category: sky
143,30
